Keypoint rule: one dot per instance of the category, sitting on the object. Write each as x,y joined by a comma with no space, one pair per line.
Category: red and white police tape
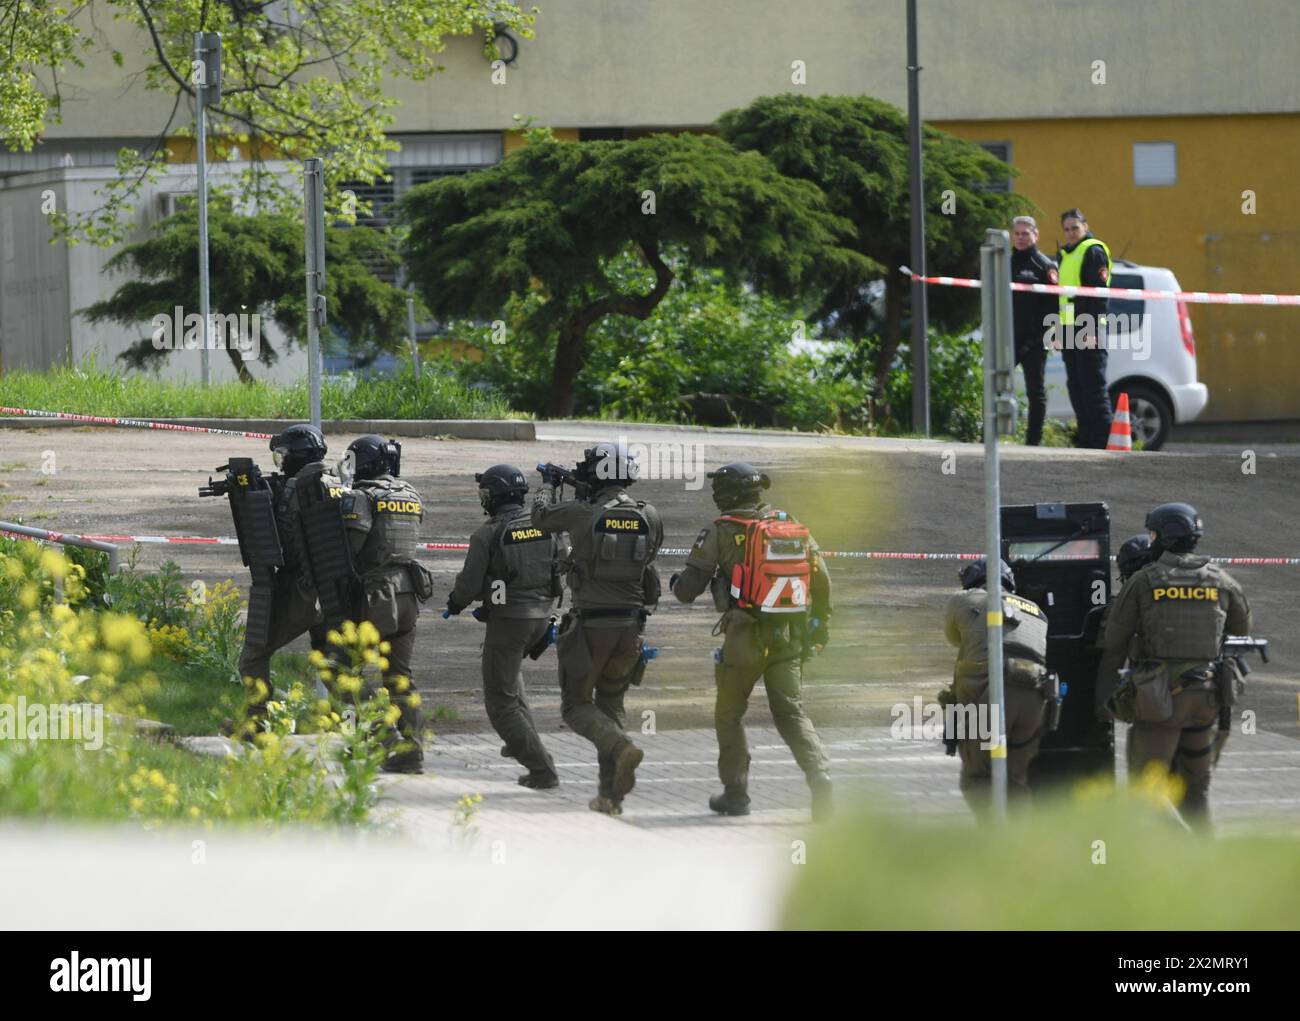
227,540
132,423
1192,297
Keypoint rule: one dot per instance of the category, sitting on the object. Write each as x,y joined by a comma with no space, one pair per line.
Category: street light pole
920,314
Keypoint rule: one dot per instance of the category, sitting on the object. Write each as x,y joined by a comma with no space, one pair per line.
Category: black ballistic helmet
738,484
1177,527
607,462
502,483
975,574
373,456
297,447
1133,555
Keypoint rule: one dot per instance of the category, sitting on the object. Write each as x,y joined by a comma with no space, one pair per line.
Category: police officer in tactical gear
293,607
1024,673
1030,314
1085,261
756,645
382,515
1134,554
514,568
614,585
1170,618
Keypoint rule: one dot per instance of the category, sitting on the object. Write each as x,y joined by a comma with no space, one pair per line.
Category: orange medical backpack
775,573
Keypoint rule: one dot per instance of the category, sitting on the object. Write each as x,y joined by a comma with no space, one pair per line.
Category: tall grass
91,390
1088,862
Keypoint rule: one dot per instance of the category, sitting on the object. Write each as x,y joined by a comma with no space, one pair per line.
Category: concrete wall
43,286
648,63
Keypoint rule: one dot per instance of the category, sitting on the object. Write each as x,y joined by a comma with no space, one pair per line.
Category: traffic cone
1121,430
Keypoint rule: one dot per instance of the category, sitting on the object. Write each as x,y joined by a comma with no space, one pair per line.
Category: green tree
855,149
549,221
301,78
256,265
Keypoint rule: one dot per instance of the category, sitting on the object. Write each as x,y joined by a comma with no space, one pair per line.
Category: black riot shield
1060,553
252,507
328,557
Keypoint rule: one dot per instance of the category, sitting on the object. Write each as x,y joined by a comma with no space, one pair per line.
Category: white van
1157,369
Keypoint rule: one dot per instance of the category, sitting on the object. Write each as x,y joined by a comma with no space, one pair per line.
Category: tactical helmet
1133,555
1177,527
502,483
975,574
737,485
372,456
607,462
297,447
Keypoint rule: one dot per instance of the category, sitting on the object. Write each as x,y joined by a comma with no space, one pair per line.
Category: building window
1002,150
1155,164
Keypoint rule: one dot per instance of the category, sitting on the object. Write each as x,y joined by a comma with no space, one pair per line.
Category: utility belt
1023,672
1145,693
630,613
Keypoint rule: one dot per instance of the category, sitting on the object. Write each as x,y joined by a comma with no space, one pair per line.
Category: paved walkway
1257,785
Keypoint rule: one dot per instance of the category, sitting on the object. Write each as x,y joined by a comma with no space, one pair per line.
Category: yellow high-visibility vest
1072,274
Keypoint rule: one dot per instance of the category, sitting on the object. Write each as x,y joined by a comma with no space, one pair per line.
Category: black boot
539,780
730,802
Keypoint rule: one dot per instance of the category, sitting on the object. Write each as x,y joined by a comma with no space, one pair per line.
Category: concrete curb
457,428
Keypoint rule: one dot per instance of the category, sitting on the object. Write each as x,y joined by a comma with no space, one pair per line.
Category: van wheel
1149,411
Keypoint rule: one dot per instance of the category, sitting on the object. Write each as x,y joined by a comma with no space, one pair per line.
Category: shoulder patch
699,539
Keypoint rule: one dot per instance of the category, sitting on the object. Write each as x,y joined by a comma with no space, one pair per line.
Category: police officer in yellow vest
1179,608
614,584
514,568
1085,261
382,515
754,647
1024,673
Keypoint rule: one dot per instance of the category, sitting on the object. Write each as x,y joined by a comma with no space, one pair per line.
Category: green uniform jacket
719,547
1138,611
482,566
966,626
576,517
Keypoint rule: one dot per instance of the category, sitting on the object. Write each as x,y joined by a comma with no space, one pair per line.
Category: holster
421,580
571,647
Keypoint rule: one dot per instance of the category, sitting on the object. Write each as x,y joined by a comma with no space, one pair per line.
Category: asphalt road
855,494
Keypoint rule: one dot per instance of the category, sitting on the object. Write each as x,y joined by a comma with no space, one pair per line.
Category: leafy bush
706,336
54,654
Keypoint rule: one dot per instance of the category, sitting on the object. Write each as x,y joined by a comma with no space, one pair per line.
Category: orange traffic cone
1121,429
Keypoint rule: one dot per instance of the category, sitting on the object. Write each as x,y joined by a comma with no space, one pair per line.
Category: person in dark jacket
1030,315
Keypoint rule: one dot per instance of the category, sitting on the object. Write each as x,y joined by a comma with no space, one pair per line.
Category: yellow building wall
1249,357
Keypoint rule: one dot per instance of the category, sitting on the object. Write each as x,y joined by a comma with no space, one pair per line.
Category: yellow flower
136,804
317,658
27,596
385,647
368,634
392,715
157,779
413,699
194,812
53,563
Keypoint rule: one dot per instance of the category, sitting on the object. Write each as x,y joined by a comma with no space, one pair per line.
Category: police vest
1024,629
525,558
396,512
1182,617
1071,274
620,541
